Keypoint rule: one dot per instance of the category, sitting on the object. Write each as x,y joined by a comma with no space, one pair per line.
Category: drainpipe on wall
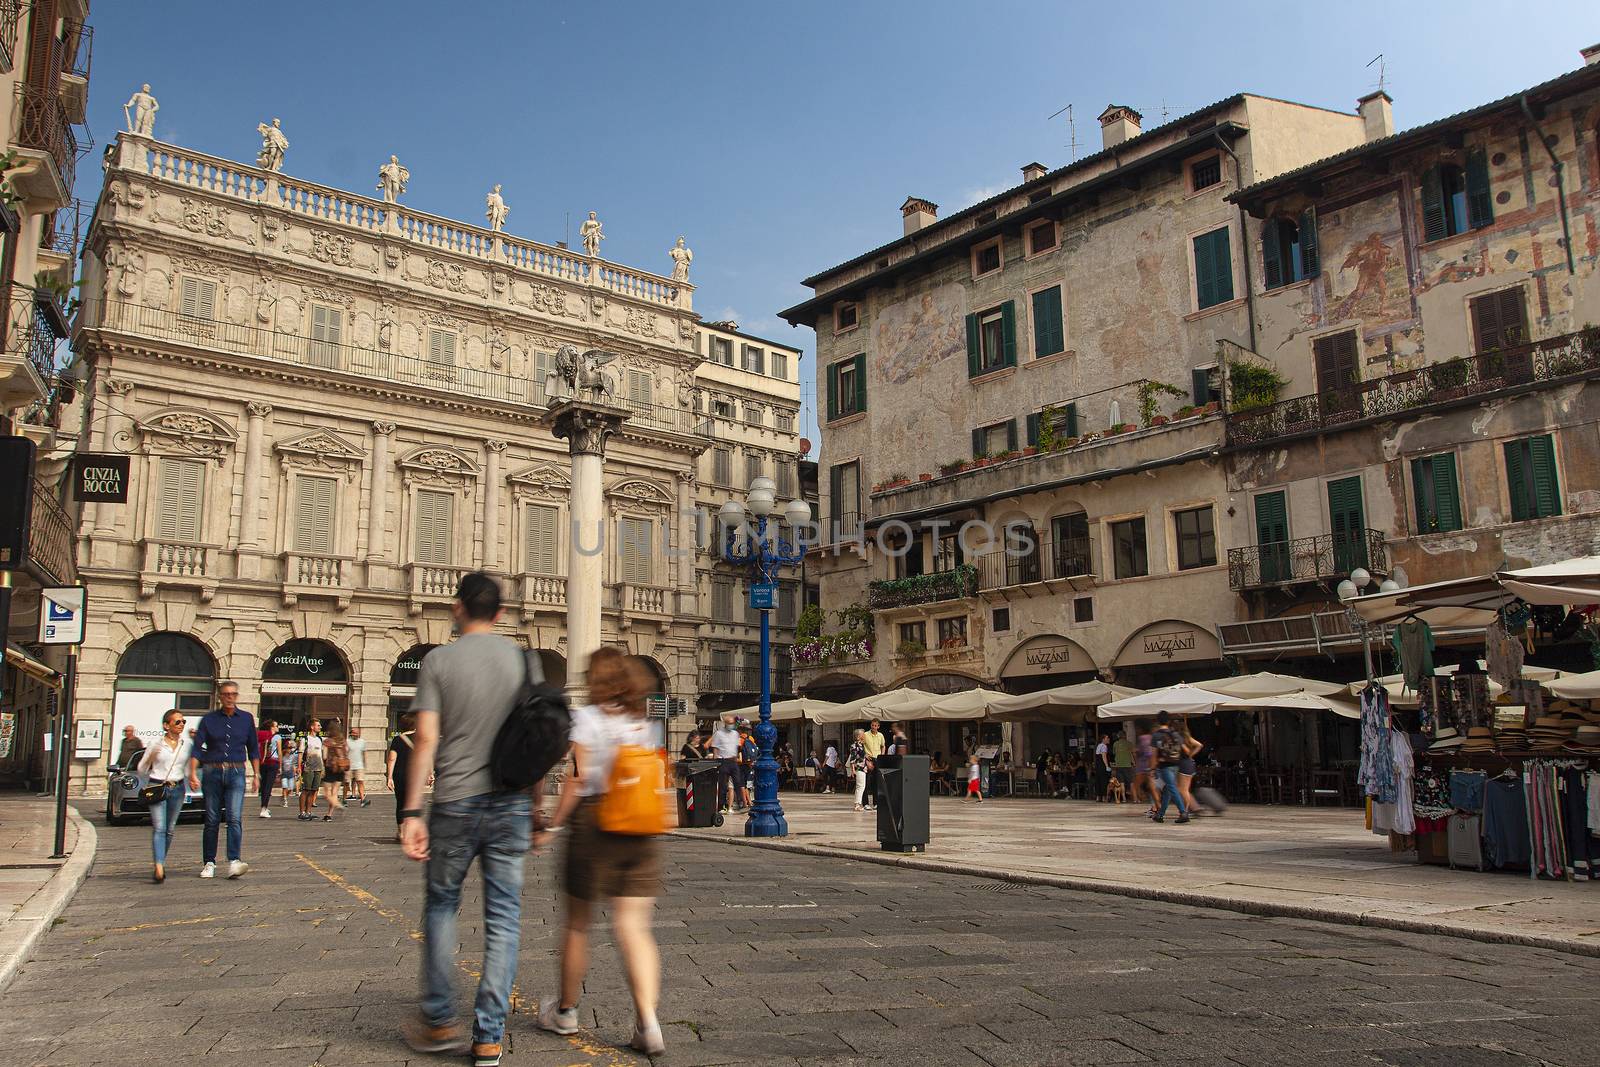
1244,241
1561,192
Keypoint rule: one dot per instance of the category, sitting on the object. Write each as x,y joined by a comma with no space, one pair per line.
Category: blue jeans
164,820
222,787
493,828
1168,773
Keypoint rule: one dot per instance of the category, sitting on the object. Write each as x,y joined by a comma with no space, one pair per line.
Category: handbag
155,793
635,801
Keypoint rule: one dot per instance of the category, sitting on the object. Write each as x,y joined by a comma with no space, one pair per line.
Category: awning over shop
1170,641
21,659
1576,686
1474,601
1064,705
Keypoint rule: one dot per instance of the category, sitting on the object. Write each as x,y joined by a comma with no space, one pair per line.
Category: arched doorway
156,673
555,667
305,679
403,682
1047,661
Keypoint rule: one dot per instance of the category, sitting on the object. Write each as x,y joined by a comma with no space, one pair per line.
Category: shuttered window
1049,332
1213,269
199,299
541,538
633,548
639,386
992,339
754,415
721,601
327,332
178,507
722,466
847,387
1456,199
786,600
1499,320
754,467
780,365
1289,249
1531,478
992,440
1063,423
442,348
435,517
844,504
313,515
755,359
786,486
1434,485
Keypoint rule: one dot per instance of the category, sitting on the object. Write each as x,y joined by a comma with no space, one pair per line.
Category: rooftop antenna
1072,133
1382,74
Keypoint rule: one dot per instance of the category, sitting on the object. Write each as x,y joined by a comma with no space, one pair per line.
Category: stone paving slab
34,885
902,967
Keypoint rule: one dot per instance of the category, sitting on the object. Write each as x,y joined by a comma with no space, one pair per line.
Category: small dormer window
1204,173
845,317
986,258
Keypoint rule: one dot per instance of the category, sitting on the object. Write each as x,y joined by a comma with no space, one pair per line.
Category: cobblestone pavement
770,958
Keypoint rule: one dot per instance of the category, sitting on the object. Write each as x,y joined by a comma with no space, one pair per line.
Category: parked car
124,806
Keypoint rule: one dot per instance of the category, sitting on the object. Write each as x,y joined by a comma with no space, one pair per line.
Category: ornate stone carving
140,112
685,329
385,333
451,276
321,450
201,216
640,493
541,481
498,280
383,429
126,264
201,266
585,429
392,178
272,227
439,318
498,348
273,146
435,465
258,409
583,376
333,296
119,386
550,300
187,430
392,256
330,248
494,444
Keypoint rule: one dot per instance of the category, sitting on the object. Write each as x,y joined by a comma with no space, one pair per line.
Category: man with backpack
466,691
1169,751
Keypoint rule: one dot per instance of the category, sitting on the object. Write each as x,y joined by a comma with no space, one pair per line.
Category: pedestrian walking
161,766
1187,768
875,744
335,765
224,746
1102,769
749,752
974,777
830,767
1144,769
899,740
131,750
465,692
1169,751
288,767
856,764
312,749
1122,765
397,765
622,868
271,759
725,746
356,776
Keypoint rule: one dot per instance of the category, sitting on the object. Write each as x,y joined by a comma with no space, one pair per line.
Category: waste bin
903,804
697,793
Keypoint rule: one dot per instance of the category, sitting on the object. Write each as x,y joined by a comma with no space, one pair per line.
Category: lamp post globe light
760,548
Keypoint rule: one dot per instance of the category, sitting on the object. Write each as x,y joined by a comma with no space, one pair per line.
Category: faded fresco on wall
1365,249
916,334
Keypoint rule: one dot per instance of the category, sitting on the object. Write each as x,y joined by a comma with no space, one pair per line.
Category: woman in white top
166,761
623,868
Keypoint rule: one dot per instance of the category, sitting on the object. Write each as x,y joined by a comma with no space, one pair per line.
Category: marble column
491,508
585,427
378,519
688,529
249,545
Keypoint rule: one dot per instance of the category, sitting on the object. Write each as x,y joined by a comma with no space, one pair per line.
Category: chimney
1591,55
1377,114
1118,123
1033,171
918,213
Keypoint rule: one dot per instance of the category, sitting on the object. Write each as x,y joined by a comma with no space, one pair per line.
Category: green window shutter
1517,481
833,391
977,442
974,355
1072,420
1446,498
1200,385
1048,333
1421,487
313,530
1213,269
1011,434
1480,205
861,382
1432,205
1008,330
1272,253
1033,430
1272,521
1546,494
1310,258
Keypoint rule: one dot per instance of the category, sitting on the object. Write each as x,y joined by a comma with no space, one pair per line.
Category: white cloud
981,193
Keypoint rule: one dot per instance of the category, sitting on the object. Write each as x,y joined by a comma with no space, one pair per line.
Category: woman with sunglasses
164,762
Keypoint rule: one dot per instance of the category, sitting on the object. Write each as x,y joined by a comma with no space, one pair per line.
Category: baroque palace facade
332,403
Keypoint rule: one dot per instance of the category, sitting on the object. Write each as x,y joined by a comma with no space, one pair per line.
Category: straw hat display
1446,740
1586,740
1479,742
1550,732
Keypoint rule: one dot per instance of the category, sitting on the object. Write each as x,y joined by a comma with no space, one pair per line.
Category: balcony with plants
851,642
954,584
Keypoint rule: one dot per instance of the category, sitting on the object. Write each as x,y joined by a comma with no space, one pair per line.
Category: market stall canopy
787,710
1572,581
1576,686
1474,601
1180,699
1268,684
1303,701
1063,705
1394,683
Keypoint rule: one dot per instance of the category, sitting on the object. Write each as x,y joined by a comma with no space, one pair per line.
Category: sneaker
365,803
265,814
556,1020
1158,818
208,871
236,868
1181,820
422,1036
327,818
647,1039
485,1054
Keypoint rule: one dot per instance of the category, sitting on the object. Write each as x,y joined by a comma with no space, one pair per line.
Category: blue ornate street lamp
762,550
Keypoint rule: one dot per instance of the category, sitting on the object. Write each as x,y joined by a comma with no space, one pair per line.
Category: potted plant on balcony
1251,386
925,476
50,295
1150,391
1005,454
955,466
911,649
1449,379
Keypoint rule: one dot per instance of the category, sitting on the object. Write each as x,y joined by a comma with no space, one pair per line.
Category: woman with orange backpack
614,804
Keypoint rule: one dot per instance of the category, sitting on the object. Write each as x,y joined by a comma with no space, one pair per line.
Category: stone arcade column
491,507
249,550
585,427
378,517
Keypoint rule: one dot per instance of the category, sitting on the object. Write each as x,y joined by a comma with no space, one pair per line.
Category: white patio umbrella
1064,705
892,706
1180,699
1576,686
1294,702
787,710
1268,684
969,704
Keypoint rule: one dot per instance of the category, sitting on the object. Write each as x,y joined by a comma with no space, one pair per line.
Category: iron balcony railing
50,540
63,229
10,15
77,48
728,679
33,325
362,362
42,124
1042,560
1436,383
1307,559
923,588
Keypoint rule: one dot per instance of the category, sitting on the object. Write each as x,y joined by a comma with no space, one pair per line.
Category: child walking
974,785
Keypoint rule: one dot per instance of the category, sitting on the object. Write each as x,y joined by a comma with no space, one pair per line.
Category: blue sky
779,139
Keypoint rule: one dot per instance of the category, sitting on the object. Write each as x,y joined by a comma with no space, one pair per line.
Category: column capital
585,426
258,409
383,429
119,386
496,445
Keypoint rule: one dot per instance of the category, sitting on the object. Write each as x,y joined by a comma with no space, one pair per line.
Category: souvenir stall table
1480,767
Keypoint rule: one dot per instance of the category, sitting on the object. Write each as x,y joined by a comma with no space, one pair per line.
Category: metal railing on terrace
376,364
334,207
41,123
1047,559
63,229
1567,356
77,48
923,588
1307,559
50,536
728,679
29,330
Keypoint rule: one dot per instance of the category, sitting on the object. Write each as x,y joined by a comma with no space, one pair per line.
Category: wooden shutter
199,298
1272,252
1517,481
974,348
1200,385
435,511
1347,523
1336,358
1272,519
833,391
1213,269
1032,436
721,601
1499,320
1433,480
1546,494
835,492
1310,256
179,500
1049,336
639,385
978,442
861,382
541,538
327,324
1008,332
1480,205
633,541
1432,205
722,466
1011,435
442,347
1072,420
313,515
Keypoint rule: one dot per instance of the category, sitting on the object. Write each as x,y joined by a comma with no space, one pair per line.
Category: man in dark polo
224,745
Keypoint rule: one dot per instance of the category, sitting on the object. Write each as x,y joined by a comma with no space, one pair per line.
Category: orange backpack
636,801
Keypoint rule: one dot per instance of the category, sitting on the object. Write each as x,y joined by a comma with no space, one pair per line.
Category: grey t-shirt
472,683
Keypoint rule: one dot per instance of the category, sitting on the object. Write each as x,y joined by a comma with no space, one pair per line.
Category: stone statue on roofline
681,258
392,178
140,112
497,210
273,146
591,234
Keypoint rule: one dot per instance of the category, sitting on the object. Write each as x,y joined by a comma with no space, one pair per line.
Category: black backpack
535,736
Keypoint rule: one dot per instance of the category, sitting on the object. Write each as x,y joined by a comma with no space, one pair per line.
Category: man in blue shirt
224,745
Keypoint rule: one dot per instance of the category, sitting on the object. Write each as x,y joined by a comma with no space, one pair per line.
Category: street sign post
61,617
763,595
100,478
62,610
